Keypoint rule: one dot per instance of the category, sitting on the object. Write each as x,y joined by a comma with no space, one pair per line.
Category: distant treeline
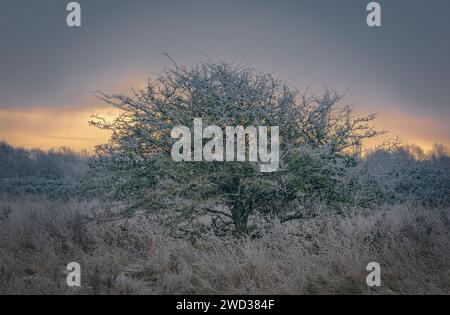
53,173
405,174
402,174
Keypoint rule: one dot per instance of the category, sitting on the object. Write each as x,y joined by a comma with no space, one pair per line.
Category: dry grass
326,255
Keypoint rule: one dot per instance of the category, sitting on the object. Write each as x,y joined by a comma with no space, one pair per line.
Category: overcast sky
401,68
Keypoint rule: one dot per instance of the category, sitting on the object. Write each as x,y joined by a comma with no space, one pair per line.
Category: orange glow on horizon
49,127
53,128
421,131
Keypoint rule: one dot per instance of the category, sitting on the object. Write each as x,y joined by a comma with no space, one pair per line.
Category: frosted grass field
325,255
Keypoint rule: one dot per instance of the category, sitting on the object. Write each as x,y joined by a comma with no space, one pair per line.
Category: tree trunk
240,217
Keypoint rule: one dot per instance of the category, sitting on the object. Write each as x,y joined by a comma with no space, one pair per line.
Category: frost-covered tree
319,142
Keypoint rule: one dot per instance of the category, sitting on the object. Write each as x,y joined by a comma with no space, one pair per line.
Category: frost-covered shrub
401,175
318,142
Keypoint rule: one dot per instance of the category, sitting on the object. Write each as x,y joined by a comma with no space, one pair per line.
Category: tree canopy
319,140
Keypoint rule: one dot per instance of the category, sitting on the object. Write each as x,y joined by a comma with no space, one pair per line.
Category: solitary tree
319,141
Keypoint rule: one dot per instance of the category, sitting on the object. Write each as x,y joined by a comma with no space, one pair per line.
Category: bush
319,140
401,175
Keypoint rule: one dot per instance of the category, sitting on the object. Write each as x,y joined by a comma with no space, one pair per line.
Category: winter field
325,255
138,222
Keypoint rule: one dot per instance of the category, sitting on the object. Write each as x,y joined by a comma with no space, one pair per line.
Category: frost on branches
320,142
